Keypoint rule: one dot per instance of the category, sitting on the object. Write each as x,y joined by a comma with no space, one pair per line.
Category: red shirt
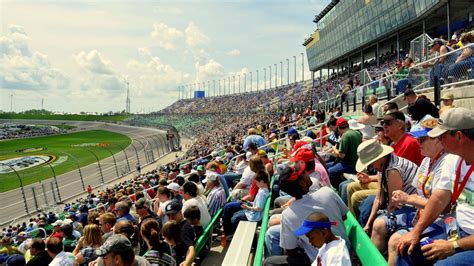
322,133
407,147
253,188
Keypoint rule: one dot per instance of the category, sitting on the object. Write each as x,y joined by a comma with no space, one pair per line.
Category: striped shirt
407,170
215,200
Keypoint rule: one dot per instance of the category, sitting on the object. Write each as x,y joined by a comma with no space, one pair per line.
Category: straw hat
370,151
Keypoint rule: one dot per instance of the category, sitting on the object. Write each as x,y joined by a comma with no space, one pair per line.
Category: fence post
55,180
34,197
437,91
126,156
144,149
115,162
136,153
44,194
21,185
354,101
52,190
78,168
98,163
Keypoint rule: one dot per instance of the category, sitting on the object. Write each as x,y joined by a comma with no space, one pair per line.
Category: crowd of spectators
13,131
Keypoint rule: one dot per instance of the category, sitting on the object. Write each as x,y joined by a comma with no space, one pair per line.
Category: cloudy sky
77,55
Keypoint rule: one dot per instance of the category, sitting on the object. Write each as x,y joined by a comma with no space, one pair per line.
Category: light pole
265,78
288,71
233,83
214,88
230,92
294,57
281,73
239,83
270,76
251,85
219,87
302,67
276,75
245,82
257,80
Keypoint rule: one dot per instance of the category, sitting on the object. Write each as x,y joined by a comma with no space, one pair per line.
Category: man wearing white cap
455,130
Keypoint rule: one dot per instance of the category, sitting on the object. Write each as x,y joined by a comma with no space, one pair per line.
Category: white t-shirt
323,200
437,178
247,176
164,218
334,253
63,259
201,203
465,203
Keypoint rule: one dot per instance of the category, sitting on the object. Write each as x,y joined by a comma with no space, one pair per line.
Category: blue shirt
259,202
126,217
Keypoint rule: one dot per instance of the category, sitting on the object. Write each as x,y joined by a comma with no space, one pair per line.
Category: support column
398,46
448,4
377,54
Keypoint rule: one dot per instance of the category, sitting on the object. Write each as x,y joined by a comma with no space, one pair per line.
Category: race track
148,143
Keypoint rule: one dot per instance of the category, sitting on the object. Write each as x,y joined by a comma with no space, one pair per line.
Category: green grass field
55,145
64,117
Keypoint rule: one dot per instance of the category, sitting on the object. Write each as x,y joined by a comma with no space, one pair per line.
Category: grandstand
255,151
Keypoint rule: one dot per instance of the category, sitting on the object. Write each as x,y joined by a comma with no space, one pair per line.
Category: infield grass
55,145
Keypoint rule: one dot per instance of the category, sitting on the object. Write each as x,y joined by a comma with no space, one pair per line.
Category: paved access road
148,143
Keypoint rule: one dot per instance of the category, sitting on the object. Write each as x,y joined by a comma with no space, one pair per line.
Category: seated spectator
117,250
396,173
418,106
428,179
87,245
242,188
182,251
250,211
332,249
69,239
39,253
465,60
403,144
54,246
191,198
447,99
346,153
158,252
7,250
106,223
176,192
368,119
439,67
216,197
193,216
130,231
185,236
457,137
123,212
164,198
296,182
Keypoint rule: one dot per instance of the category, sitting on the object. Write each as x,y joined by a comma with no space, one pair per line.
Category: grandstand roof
325,11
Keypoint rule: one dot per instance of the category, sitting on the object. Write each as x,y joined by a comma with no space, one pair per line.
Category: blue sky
76,54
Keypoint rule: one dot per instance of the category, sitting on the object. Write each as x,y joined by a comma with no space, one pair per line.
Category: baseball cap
173,186
308,226
58,223
210,175
116,243
437,41
200,168
292,131
447,96
342,122
422,128
453,119
173,207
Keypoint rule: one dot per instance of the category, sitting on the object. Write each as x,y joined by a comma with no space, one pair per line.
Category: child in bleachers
252,211
332,248
193,215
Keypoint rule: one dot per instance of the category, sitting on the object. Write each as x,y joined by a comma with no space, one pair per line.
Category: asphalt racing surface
148,143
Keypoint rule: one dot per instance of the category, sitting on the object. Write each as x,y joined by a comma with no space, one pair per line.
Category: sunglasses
386,122
423,139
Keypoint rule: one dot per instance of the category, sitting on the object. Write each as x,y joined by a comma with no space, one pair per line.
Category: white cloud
20,68
166,36
94,62
194,36
209,71
234,52
144,51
